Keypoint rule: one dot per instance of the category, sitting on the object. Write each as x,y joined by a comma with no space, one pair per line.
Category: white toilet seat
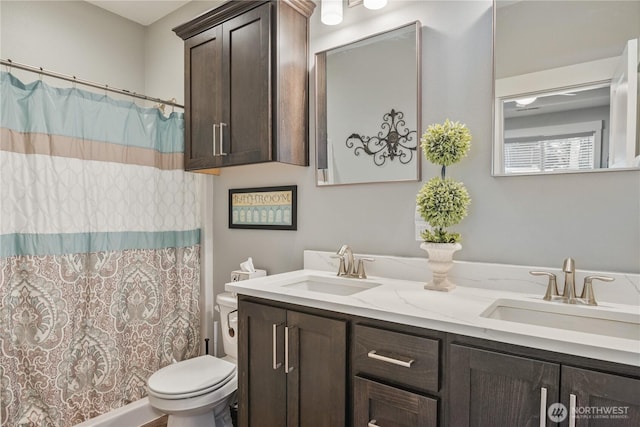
199,404
191,378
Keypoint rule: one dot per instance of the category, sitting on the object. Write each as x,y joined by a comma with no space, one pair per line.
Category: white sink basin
592,320
331,285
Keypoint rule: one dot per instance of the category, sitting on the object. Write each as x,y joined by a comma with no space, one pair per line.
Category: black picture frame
264,208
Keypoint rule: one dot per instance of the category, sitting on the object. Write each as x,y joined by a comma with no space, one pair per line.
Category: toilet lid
191,376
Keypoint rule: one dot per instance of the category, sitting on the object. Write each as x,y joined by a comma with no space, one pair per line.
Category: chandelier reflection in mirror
398,141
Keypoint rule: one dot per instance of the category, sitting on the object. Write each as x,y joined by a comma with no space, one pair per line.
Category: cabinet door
316,382
261,388
493,389
600,399
382,405
203,92
246,113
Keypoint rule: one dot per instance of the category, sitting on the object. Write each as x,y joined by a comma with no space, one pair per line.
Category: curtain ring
10,63
74,82
106,89
40,73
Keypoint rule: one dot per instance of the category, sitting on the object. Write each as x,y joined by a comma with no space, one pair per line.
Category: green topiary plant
443,202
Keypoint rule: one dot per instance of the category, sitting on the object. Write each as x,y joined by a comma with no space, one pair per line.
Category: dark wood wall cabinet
246,84
301,366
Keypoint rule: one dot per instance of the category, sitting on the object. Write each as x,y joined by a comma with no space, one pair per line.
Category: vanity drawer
381,405
397,358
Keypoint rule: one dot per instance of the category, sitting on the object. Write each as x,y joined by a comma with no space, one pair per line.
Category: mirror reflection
368,109
566,92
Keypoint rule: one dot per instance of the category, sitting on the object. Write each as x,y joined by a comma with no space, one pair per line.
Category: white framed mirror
566,86
368,109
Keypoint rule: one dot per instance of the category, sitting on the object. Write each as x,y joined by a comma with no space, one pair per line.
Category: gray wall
75,38
573,32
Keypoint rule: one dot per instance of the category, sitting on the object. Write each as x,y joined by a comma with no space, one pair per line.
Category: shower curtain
99,252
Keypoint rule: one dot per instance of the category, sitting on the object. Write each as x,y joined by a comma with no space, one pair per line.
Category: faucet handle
361,273
587,290
552,285
342,270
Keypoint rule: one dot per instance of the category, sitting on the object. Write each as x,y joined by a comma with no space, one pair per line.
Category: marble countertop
458,311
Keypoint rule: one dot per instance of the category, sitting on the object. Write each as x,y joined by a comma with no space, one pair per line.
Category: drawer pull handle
572,410
214,140
372,423
274,335
222,125
287,368
374,355
543,406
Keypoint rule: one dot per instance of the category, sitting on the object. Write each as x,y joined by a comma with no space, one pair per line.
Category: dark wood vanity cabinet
246,84
489,388
292,368
301,366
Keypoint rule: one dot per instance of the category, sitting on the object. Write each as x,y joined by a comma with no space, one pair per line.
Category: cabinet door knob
214,140
222,153
374,355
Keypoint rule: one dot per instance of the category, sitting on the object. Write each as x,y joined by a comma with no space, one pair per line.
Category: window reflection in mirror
368,109
566,92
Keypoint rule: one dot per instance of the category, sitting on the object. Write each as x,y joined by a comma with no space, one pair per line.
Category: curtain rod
9,63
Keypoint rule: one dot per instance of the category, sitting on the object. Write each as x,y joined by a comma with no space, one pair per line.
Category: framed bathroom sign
266,208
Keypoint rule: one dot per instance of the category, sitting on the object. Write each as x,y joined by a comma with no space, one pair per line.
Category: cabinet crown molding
233,8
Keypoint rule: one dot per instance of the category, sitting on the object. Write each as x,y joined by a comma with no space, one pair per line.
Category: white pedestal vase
440,262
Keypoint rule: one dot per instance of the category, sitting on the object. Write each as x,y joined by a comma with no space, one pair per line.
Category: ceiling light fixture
331,12
375,4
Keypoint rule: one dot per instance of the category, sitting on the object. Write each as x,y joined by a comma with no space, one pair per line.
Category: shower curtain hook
40,73
10,63
74,82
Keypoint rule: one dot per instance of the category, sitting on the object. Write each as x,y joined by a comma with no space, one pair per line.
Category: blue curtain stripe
39,108
19,244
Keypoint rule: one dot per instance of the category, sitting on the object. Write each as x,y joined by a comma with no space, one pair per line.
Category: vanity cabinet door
262,387
377,404
493,389
316,382
600,399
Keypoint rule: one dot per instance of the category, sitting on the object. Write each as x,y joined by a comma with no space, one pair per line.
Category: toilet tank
228,306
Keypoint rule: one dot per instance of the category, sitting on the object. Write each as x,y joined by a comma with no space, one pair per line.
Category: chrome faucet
352,267
568,296
569,291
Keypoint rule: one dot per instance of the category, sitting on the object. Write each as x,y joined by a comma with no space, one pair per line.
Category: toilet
198,392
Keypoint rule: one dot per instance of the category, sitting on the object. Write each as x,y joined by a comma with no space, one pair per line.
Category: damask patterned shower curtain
99,252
